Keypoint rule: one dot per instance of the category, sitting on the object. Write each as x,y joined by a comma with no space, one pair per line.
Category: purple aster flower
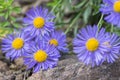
39,21
41,56
14,45
57,39
88,45
113,46
111,8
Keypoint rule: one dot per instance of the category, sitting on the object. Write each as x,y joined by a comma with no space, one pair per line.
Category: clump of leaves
7,21
78,13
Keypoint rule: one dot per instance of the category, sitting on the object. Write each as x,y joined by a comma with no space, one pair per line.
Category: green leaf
75,29
16,9
116,30
1,14
11,1
13,18
4,31
70,1
53,3
16,25
4,24
86,14
6,15
80,4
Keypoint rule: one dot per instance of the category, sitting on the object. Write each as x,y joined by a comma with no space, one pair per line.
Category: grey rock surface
72,69
3,66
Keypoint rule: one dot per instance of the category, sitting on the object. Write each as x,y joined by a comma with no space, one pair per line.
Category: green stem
112,28
73,22
56,5
100,22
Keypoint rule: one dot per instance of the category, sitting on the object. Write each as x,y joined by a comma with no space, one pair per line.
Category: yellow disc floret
92,44
38,22
116,6
17,43
40,56
53,42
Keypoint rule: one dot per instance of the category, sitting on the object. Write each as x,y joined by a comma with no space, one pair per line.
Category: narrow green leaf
16,9
86,14
6,15
4,31
13,18
80,4
16,25
1,14
4,24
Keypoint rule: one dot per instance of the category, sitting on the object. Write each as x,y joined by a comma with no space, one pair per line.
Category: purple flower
41,56
113,46
57,39
88,45
39,21
14,45
111,8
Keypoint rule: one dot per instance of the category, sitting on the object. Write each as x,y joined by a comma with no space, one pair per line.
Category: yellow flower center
40,56
116,6
53,42
38,22
17,43
92,44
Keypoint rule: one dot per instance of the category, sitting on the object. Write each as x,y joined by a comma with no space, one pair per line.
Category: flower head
111,8
14,45
38,21
57,39
88,45
113,46
41,56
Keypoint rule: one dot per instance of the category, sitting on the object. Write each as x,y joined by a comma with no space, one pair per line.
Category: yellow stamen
40,56
92,44
38,22
53,42
17,43
116,6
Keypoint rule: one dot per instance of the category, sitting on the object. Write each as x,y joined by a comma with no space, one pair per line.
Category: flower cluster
94,46
39,43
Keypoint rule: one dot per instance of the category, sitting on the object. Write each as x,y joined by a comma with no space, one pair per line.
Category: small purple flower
88,45
14,45
111,8
39,21
57,39
41,56
113,46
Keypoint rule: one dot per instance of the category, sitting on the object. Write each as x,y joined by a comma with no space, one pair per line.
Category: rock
12,75
6,75
3,66
1,76
68,69
19,62
19,77
72,69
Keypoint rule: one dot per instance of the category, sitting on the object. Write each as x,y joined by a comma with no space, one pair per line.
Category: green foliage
74,16
7,21
71,17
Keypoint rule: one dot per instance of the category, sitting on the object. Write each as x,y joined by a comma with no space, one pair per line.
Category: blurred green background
71,15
